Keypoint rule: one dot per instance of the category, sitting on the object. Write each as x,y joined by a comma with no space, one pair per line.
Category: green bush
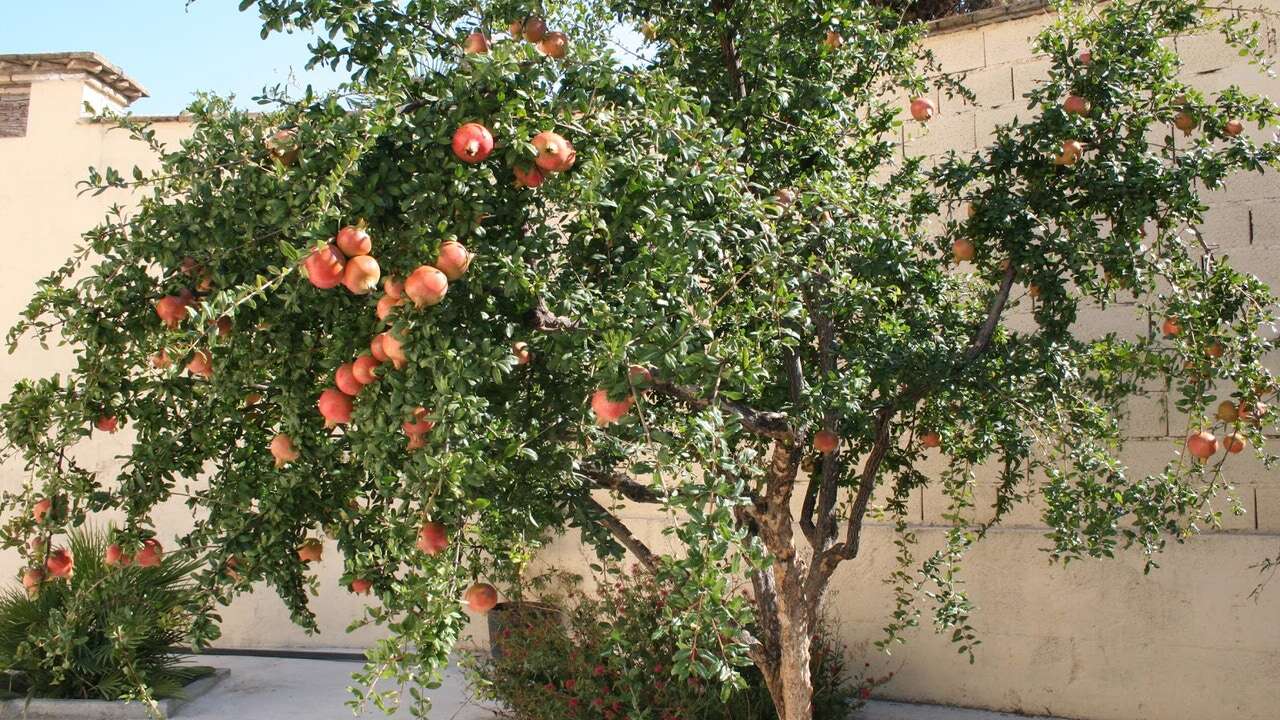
105,633
610,659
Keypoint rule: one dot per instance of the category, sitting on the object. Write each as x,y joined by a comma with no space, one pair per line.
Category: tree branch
622,484
729,51
544,320
623,534
769,424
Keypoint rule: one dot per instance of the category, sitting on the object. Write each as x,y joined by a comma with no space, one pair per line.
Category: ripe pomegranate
1202,444
1252,412
107,423
335,406
554,45
160,360
232,566
453,260
40,509
394,350
150,555
201,365
1076,105
1071,153
417,428
1233,128
1227,412
1085,58
1185,121
361,586
530,178
516,28
1033,290
432,538
59,563
32,578
785,196
481,598
555,154
931,439
324,267
283,146
362,274
639,375
521,351
171,309
223,326
363,369
310,550
393,287
252,399
833,40
476,43
346,381
962,250
205,284
609,411
426,286
825,442
1214,350
282,450
922,109
387,304
1235,443
535,28
353,240
472,143
115,556
1171,327
376,349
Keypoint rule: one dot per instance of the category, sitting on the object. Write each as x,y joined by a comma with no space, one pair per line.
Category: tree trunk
791,685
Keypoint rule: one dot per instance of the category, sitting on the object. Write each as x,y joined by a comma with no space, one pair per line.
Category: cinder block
1204,52
992,87
1244,187
1227,225
1027,75
1013,40
986,121
1265,226
958,51
1267,508
950,132
1146,416
1125,321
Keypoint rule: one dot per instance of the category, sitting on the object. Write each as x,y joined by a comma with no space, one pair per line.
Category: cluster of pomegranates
473,143
59,562
553,44
345,261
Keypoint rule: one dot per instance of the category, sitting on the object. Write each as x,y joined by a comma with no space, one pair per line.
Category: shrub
611,659
105,633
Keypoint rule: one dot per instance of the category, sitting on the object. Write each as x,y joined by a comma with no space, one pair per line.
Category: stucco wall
1095,640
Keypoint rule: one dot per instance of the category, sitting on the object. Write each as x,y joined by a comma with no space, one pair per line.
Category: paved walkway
288,689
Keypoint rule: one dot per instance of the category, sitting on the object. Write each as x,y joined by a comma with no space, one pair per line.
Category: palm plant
105,632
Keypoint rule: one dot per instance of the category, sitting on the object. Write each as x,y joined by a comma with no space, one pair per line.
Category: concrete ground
288,688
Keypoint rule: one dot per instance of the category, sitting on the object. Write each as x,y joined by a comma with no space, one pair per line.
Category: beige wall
1096,640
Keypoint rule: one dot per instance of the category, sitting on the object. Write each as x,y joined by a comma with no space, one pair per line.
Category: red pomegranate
171,309
115,556
386,305
151,553
223,326
346,381
32,579
310,550
1186,122
282,450
1075,105
1072,151
40,509
555,154
160,360
554,45
417,429
609,411
201,364
1202,445
931,439
376,349
393,287
922,109
59,563
1085,58
1234,443
472,143
481,598
530,178
1233,128
833,40
521,351
107,423
516,28
476,43
426,286
324,267
353,240
826,442
335,406
453,260
1171,327
535,28
962,250
363,369
362,274
394,350
432,538
361,586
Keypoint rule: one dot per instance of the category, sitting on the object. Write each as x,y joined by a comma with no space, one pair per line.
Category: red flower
598,670
570,683
864,693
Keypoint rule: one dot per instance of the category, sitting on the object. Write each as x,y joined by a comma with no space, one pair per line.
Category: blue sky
172,50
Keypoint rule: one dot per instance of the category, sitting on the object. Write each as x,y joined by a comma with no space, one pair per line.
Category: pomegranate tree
710,277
